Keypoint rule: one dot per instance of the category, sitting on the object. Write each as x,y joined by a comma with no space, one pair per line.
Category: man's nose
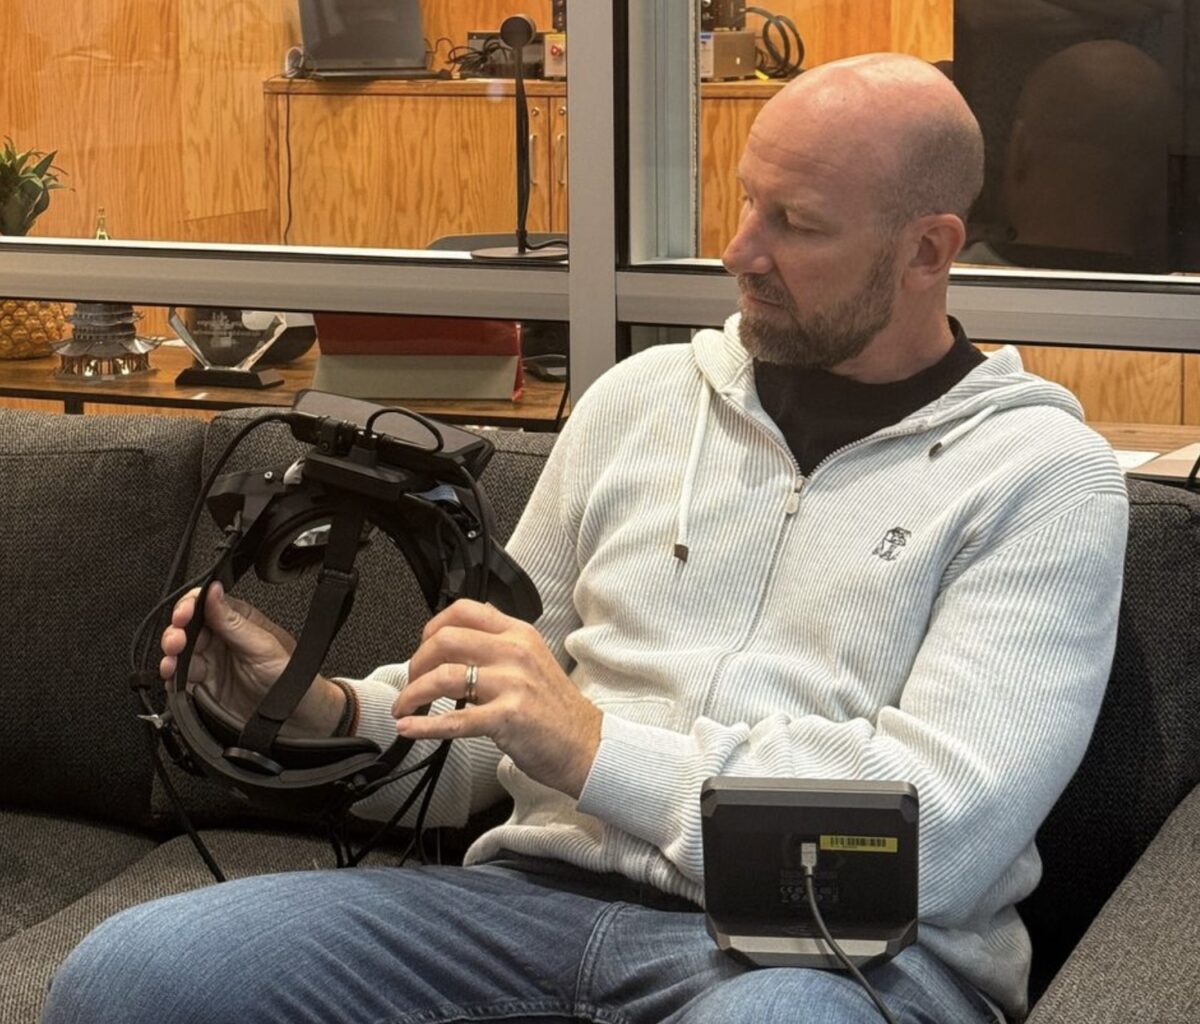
746,252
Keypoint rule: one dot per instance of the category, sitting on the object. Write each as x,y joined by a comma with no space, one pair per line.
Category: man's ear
936,242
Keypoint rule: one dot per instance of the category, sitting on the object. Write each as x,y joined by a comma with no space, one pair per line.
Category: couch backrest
91,510
389,611
1144,755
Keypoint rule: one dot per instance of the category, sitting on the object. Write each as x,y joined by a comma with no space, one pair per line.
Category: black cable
176,803
837,950
438,441
473,62
437,46
776,60
287,144
562,404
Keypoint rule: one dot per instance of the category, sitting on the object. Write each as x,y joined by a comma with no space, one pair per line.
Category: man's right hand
238,656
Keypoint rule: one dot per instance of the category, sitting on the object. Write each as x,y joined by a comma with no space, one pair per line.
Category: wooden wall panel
1113,386
104,80
835,28
724,126
1191,389
410,192
221,105
924,28
832,29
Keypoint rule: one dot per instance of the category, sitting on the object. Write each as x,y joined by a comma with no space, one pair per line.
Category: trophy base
551,254
228,377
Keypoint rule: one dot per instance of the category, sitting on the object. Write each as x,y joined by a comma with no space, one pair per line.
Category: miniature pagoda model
104,344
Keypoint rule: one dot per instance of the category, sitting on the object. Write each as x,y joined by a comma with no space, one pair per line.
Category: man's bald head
901,123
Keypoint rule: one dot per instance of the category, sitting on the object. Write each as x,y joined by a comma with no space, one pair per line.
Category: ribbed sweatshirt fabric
935,603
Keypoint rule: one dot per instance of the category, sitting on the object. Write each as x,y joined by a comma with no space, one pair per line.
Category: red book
360,334
346,335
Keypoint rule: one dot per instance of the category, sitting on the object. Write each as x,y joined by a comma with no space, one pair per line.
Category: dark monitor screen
1091,122
348,35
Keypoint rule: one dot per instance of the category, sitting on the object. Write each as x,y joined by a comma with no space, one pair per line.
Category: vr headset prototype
370,469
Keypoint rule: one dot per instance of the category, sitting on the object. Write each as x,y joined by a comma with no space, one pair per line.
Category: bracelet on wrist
348,723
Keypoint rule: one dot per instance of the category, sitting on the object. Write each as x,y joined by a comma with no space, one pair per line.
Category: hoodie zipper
792,506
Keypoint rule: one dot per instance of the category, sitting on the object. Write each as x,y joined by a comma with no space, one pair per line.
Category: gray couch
90,511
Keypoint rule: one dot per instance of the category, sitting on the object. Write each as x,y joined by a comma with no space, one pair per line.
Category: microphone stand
516,32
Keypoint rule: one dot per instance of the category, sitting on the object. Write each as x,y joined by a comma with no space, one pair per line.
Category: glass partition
328,123
1088,109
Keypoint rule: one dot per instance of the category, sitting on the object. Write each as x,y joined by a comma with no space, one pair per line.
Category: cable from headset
808,861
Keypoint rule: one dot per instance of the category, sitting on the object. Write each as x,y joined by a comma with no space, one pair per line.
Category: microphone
516,32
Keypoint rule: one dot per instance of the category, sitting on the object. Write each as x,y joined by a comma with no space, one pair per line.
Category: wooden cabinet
398,164
727,109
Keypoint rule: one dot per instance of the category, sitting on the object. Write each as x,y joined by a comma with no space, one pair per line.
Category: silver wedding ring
472,682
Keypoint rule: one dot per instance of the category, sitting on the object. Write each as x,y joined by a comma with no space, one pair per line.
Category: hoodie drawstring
963,428
689,473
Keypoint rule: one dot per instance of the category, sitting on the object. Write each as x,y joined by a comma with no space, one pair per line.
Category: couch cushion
48,862
29,959
1144,755
1140,960
389,611
91,510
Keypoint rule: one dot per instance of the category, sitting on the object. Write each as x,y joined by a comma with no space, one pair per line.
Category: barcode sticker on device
860,844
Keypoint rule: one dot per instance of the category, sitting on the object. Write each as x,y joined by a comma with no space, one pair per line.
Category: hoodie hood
999,383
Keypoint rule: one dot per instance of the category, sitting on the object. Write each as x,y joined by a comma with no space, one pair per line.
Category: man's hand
523,699
238,656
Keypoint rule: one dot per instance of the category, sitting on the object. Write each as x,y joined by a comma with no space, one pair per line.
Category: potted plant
26,180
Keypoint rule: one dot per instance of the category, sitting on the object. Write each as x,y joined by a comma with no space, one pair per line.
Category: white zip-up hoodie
936,603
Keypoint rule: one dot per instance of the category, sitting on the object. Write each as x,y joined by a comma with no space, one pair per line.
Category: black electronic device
370,469
558,15
719,14
364,39
856,841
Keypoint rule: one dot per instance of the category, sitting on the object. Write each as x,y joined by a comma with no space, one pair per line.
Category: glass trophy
227,343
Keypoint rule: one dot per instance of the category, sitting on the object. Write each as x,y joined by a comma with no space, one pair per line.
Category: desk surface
1149,437
34,378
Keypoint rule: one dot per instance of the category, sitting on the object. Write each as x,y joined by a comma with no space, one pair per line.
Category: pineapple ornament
27,327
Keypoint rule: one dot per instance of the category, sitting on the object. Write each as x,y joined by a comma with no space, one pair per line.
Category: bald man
831,540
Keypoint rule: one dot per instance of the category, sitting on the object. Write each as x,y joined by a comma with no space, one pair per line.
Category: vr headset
370,469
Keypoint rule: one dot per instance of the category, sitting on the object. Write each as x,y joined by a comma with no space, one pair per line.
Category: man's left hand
523,699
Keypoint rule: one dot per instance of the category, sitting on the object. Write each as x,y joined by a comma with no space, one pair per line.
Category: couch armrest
1140,959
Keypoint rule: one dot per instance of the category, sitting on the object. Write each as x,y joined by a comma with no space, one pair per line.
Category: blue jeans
436,944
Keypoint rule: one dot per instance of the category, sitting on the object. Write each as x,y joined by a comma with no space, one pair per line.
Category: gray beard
824,339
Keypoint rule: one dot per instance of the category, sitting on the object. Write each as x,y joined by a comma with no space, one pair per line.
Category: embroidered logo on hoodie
889,548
